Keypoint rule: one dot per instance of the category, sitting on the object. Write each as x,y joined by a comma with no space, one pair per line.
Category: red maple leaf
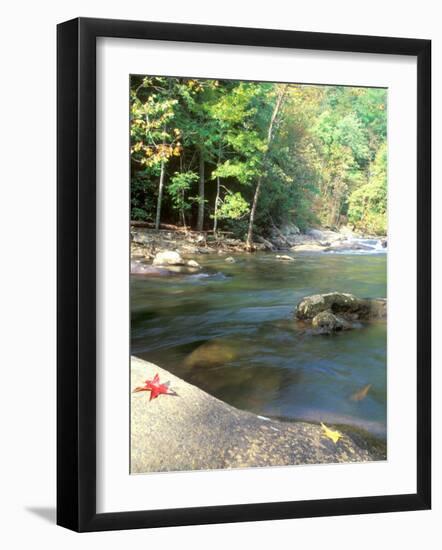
155,388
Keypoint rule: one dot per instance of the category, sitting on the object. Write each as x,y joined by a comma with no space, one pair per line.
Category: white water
374,244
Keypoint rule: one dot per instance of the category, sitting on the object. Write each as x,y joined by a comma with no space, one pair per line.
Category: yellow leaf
331,434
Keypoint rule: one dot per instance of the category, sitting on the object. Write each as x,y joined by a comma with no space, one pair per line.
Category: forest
244,157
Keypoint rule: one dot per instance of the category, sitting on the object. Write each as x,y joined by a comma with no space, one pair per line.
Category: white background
117,490
27,301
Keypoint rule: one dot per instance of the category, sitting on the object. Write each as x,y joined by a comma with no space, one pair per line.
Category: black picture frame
76,274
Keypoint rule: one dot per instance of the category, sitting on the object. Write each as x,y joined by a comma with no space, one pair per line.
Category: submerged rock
361,394
346,306
211,353
230,260
168,257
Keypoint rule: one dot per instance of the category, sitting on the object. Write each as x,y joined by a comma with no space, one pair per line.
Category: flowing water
251,352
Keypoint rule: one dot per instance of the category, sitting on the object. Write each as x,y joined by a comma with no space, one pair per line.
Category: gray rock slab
195,431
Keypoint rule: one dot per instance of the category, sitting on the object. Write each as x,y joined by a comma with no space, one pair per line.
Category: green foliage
242,171
153,139
326,162
142,196
180,184
238,228
368,204
233,207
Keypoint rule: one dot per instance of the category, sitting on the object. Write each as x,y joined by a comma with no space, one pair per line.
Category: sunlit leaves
368,203
326,162
179,185
243,171
233,207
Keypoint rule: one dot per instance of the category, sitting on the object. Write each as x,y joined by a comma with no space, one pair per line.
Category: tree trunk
215,214
183,220
249,240
200,220
279,100
335,204
218,185
160,195
183,214
183,196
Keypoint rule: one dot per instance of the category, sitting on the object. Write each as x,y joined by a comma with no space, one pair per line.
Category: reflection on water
230,331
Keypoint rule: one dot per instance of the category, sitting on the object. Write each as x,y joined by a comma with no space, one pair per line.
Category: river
258,358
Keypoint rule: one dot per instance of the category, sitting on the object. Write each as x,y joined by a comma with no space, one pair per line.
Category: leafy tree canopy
319,154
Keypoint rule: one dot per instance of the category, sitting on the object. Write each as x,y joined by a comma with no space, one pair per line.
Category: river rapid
230,330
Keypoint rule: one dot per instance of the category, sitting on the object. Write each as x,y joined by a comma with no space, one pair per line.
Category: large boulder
168,257
344,305
188,429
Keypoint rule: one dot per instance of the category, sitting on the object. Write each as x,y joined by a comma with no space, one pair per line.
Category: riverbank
192,430
146,242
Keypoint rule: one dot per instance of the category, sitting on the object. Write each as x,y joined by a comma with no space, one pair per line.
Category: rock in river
347,306
193,264
327,322
168,257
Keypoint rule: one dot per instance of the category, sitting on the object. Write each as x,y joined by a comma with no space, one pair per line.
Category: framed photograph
243,274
